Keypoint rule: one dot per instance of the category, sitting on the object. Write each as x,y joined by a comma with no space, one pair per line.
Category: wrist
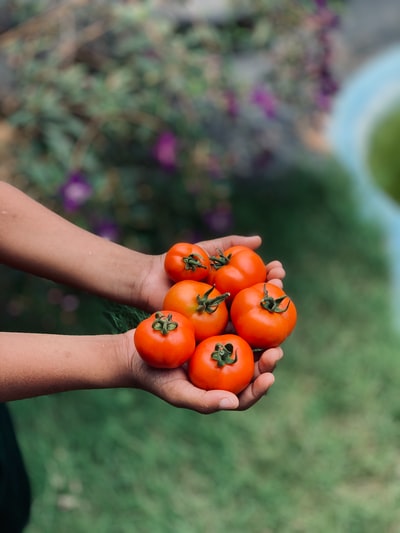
122,374
129,271
135,369
149,287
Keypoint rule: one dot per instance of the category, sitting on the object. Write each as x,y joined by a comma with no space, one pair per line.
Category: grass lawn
319,454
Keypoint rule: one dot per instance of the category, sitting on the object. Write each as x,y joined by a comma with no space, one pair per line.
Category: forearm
37,240
36,364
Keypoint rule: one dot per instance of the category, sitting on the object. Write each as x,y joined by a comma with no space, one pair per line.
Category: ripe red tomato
235,269
165,339
186,261
202,303
224,362
263,315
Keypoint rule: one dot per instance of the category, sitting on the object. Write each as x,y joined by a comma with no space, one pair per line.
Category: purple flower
323,101
220,219
264,100
326,86
75,191
324,18
165,150
107,229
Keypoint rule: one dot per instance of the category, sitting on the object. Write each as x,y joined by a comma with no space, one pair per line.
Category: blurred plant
324,20
132,118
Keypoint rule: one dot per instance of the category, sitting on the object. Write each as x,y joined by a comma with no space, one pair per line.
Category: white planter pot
369,94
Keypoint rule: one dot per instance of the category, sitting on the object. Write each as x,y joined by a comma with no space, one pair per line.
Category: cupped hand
156,282
174,387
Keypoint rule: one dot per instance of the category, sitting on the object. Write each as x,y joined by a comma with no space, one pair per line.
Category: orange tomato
224,362
165,339
235,269
202,303
186,261
263,315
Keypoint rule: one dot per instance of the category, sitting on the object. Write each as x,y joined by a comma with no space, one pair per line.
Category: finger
223,243
184,394
256,390
275,271
277,282
268,361
274,263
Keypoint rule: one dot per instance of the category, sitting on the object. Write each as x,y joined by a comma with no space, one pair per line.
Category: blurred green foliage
95,86
133,119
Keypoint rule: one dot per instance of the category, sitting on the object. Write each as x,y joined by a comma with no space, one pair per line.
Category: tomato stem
220,260
192,262
164,324
210,305
272,304
223,354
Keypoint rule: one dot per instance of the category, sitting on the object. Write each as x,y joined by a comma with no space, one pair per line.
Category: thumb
223,243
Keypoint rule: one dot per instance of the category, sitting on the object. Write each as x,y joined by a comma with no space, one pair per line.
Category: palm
174,387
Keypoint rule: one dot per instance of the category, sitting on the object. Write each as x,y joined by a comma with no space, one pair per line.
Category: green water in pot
384,153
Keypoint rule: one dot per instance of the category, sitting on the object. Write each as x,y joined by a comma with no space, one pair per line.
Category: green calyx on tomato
164,324
193,262
220,260
210,305
223,354
272,304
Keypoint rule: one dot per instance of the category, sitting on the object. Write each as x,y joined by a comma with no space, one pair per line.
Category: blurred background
149,122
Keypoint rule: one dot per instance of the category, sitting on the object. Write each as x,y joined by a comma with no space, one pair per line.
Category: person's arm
33,364
39,364
37,240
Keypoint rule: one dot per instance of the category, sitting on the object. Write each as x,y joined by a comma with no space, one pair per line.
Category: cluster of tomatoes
208,292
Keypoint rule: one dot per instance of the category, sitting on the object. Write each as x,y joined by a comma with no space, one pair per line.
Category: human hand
156,282
174,387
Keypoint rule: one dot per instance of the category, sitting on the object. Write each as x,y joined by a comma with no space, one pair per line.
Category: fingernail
272,382
228,403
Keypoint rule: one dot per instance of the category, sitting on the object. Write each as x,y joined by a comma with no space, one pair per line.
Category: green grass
384,154
318,454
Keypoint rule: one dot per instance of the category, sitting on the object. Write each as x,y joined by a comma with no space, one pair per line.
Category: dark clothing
15,493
